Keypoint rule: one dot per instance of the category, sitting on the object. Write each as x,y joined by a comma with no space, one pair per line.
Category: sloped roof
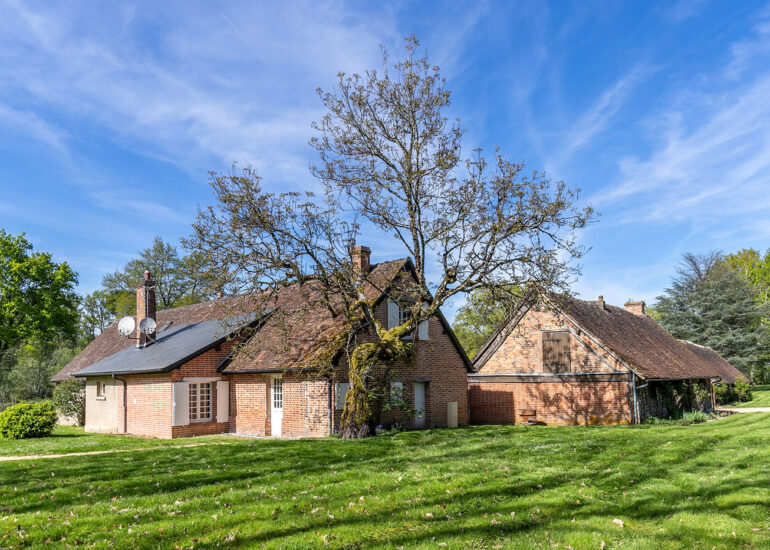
172,348
110,341
311,327
719,364
637,340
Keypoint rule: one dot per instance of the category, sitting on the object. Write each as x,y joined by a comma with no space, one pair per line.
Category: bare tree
390,159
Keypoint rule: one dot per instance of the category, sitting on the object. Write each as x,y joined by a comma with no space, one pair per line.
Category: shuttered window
556,352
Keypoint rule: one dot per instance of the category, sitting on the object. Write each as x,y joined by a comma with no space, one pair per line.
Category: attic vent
164,327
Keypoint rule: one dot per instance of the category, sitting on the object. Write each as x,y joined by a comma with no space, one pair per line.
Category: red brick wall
557,403
305,405
149,398
522,350
248,404
148,405
437,363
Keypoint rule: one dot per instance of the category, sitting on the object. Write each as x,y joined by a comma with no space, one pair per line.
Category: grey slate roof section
173,347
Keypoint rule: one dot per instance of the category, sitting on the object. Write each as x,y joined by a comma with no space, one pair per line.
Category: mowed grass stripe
694,486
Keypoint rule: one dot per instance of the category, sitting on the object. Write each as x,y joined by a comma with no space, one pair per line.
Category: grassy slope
698,486
760,397
69,439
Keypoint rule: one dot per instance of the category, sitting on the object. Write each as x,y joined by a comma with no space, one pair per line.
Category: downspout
125,416
636,404
331,407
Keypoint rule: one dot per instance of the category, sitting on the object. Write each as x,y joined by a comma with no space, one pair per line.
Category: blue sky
112,114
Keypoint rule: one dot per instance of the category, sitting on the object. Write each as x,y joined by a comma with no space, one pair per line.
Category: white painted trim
203,379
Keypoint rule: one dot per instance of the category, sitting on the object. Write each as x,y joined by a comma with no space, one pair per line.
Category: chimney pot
146,274
360,256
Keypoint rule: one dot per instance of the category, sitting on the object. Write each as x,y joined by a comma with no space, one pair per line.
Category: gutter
125,407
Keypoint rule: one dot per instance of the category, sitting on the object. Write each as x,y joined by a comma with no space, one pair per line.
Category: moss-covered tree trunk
358,417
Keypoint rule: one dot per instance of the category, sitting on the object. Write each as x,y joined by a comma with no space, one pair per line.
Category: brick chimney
145,306
600,301
637,308
360,255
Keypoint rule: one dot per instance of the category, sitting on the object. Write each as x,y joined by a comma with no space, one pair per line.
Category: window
398,314
277,393
100,390
340,392
556,352
396,393
200,401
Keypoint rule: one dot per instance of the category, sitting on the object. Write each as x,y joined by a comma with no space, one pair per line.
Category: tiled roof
728,372
637,340
310,328
297,334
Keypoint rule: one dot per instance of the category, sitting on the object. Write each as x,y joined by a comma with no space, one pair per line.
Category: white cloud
211,91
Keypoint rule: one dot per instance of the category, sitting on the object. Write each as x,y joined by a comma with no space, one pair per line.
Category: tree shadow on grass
474,471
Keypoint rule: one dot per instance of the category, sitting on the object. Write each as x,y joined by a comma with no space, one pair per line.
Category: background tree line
44,323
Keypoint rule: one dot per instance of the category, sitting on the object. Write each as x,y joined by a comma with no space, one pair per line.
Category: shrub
695,417
723,393
742,390
25,420
685,419
70,400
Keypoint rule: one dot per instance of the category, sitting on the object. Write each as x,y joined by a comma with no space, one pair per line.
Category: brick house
569,361
187,379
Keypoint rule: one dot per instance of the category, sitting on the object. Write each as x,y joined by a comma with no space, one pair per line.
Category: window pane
193,401
277,393
204,401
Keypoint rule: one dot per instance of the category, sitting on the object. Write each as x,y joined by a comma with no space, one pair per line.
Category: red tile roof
310,326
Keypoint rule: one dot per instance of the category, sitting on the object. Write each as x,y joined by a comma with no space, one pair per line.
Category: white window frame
196,391
276,394
101,390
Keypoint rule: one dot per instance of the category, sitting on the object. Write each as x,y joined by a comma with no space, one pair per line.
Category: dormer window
398,314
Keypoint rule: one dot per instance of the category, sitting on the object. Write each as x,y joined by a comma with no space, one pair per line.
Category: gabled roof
311,327
171,349
728,372
637,340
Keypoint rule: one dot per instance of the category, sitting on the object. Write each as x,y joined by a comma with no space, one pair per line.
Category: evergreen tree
712,304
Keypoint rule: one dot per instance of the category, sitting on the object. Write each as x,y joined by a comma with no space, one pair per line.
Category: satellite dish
126,326
147,325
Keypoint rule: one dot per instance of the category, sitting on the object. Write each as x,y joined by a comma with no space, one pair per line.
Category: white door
419,404
276,406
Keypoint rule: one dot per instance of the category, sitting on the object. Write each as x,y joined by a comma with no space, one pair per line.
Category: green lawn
699,486
760,397
69,439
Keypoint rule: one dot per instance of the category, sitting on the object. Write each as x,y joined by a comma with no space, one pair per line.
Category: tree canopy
478,319
178,281
711,303
38,303
391,163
